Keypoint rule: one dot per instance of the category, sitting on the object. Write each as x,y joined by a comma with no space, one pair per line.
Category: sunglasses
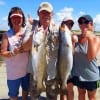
69,23
83,22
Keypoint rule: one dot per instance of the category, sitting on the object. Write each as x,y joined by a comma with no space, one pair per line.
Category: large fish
65,57
38,53
39,58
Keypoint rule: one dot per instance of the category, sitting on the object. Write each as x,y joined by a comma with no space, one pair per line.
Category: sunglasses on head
83,22
69,23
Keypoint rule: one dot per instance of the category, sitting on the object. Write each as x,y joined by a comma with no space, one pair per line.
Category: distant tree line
1,33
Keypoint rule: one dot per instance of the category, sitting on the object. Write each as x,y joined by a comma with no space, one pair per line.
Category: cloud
4,26
3,23
58,17
2,2
97,19
4,18
82,13
65,12
97,22
68,12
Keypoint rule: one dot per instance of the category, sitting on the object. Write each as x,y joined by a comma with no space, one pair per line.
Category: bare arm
93,46
4,47
7,53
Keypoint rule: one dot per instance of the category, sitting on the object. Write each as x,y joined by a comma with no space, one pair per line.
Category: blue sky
62,8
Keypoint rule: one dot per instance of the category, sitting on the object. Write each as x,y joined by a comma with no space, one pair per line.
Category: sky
62,8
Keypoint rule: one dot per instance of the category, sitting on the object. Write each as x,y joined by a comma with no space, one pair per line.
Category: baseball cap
87,17
14,14
45,6
68,18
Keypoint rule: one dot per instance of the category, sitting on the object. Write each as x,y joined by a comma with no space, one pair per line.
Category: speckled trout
65,57
38,53
39,58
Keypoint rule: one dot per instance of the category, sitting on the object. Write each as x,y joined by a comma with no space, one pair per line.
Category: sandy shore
4,89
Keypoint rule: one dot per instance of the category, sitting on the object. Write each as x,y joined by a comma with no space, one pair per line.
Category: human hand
18,50
30,19
87,33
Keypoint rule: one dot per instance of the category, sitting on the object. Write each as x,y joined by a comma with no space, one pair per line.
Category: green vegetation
97,33
2,31
78,32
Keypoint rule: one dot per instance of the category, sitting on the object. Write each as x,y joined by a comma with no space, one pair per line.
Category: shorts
88,85
14,85
70,80
99,70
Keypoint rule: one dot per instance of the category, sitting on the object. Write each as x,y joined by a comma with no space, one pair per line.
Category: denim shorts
14,85
88,85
